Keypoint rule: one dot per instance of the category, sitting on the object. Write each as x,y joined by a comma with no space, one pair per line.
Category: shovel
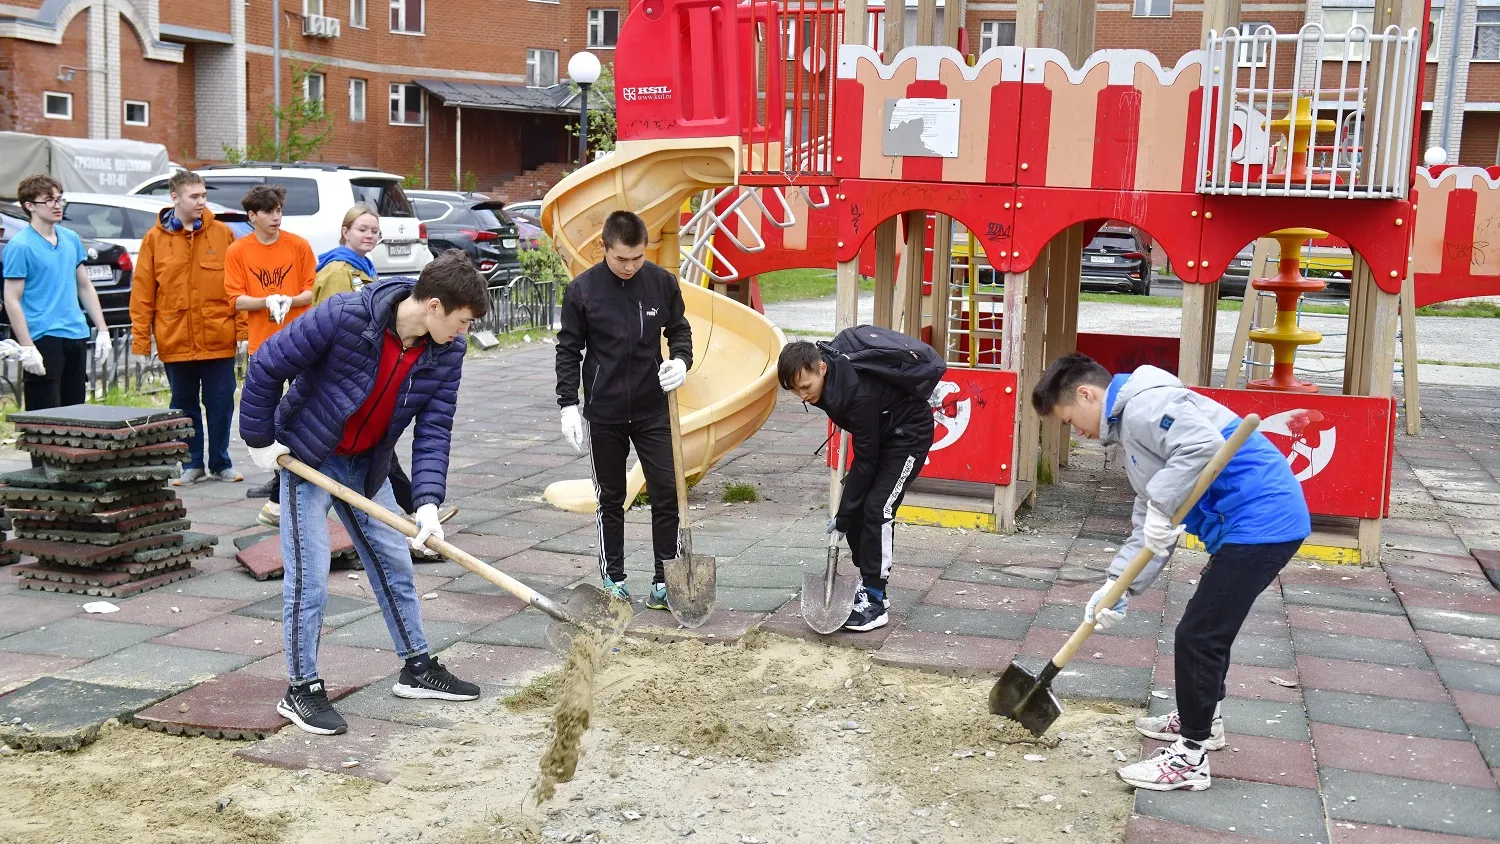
828,598
1027,698
585,606
690,577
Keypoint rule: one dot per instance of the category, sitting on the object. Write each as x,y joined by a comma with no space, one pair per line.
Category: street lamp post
583,69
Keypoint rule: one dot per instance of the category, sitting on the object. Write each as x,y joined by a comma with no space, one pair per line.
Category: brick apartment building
400,77
397,77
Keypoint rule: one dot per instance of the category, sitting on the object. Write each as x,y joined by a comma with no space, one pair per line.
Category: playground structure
814,140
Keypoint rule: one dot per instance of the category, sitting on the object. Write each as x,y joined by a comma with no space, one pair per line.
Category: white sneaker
1170,769
270,515
1169,728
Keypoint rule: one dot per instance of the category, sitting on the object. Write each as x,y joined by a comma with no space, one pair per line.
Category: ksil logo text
647,92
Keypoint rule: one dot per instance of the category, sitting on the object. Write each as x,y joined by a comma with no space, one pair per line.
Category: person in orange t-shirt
269,275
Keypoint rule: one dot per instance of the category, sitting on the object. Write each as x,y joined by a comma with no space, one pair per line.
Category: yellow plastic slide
731,388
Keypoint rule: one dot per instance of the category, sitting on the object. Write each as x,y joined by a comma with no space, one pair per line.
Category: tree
601,119
304,121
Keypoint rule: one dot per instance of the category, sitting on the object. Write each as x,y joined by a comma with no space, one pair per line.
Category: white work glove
671,375
265,458
1106,617
104,350
572,427
278,305
832,528
427,526
1159,533
10,349
242,347
31,361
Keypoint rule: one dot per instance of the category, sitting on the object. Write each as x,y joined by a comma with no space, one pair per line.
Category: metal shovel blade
690,588
826,611
1026,699
591,607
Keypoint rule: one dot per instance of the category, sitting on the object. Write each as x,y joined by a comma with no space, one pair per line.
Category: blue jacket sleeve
433,433
290,352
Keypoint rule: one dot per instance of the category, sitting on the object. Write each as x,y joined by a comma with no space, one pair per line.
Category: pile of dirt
571,714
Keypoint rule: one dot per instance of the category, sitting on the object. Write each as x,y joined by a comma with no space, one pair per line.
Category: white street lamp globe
1432,158
583,68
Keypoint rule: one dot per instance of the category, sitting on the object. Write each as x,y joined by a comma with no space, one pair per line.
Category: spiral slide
731,388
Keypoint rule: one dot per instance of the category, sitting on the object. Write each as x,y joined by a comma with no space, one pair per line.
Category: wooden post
926,20
1068,344
888,310
846,309
1248,315
1409,379
910,283
1027,23
1058,252
942,224
856,22
1025,316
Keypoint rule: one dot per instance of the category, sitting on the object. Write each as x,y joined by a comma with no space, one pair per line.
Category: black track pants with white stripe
609,446
871,533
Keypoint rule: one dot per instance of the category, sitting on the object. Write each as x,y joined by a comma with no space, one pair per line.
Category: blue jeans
213,381
304,547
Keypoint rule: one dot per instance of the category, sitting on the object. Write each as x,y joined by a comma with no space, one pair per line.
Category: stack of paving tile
260,553
98,515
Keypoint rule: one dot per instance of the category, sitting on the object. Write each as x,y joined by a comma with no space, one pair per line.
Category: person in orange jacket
178,297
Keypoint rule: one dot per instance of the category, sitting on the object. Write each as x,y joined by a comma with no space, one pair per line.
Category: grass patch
1459,363
519,337
738,493
538,694
1481,310
121,397
787,285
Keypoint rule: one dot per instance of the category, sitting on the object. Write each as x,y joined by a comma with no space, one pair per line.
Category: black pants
1230,583
610,445
873,526
66,380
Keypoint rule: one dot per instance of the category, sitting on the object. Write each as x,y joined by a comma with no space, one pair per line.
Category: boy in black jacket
617,312
891,432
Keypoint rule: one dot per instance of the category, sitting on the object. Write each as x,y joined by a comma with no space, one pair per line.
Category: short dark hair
263,198
1062,379
36,187
796,357
624,228
452,280
183,177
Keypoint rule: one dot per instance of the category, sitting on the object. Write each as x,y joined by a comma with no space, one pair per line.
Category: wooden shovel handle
836,481
1206,478
452,552
678,470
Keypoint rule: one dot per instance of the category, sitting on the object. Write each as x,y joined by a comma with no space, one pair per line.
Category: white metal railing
1370,156
703,261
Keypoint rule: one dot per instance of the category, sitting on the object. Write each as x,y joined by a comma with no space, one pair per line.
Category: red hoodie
369,424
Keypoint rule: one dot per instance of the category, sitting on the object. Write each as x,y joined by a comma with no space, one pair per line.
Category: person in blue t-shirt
46,293
1252,519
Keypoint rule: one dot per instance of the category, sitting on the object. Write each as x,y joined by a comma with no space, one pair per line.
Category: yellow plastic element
1286,335
731,389
910,514
1335,555
1298,126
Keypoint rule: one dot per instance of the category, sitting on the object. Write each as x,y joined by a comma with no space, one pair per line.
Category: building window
604,28
406,16
1153,8
57,106
357,14
541,68
1339,22
137,113
996,34
1254,53
356,100
312,7
312,88
1487,35
1434,33
406,105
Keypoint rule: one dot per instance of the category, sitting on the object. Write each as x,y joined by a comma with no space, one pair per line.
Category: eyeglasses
54,202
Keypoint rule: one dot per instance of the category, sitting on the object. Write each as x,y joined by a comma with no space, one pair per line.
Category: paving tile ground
1363,707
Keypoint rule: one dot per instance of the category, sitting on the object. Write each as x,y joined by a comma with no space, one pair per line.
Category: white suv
317,196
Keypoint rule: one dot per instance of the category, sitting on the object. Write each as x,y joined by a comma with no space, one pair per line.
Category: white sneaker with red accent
1169,728
1170,769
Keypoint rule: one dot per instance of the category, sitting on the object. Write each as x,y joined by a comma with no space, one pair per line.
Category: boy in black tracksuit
617,312
891,432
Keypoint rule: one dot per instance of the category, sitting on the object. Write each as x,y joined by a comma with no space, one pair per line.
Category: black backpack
904,362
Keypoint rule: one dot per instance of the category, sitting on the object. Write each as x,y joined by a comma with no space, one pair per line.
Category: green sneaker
658,597
617,589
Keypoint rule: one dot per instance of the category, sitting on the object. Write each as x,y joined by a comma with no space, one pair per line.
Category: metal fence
521,303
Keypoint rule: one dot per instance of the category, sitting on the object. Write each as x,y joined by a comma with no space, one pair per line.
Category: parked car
317,195
528,219
124,219
1117,259
108,266
1319,261
472,223
530,209
1232,283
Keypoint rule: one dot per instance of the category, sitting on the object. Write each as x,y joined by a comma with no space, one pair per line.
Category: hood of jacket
166,216
1123,388
360,263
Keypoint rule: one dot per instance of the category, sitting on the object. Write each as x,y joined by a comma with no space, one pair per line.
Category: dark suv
108,266
1117,259
473,223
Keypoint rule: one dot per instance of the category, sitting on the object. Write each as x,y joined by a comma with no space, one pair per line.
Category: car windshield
97,221
1112,242
384,195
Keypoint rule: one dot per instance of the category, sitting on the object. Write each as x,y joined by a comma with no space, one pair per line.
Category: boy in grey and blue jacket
1251,520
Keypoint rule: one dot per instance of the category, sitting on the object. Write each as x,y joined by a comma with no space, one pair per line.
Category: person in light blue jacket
1251,521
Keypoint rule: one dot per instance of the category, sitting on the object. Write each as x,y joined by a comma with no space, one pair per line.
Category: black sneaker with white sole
867,615
436,683
307,706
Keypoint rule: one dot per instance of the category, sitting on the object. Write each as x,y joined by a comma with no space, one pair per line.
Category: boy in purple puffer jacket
363,367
